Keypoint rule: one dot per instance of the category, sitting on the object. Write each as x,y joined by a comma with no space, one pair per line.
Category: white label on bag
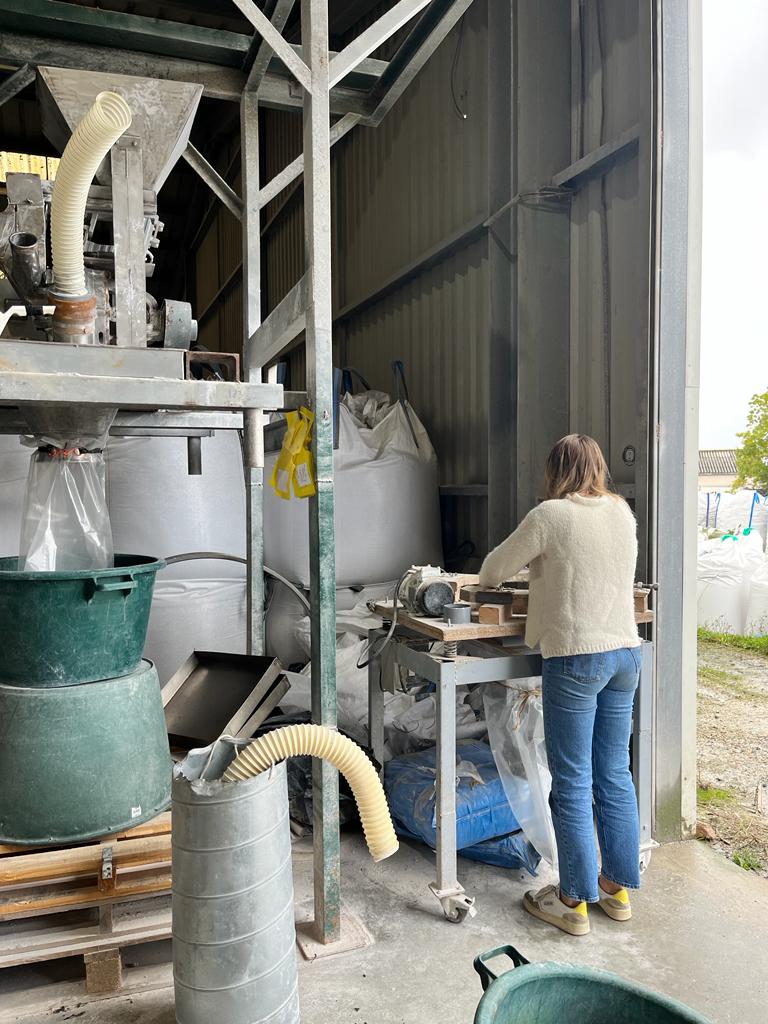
302,474
283,480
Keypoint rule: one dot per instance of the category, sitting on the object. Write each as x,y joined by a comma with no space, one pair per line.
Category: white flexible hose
351,761
93,138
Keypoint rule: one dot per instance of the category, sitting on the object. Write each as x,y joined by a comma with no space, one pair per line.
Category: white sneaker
547,906
616,905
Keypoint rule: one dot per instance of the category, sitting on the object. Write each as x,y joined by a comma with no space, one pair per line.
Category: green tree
752,457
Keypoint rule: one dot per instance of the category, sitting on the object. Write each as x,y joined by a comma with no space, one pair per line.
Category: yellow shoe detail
622,896
581,909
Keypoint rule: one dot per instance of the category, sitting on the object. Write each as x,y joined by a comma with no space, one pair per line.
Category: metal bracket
457,906
107,872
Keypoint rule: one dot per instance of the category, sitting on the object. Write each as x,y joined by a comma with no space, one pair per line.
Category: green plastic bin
77,762
558,993
66,628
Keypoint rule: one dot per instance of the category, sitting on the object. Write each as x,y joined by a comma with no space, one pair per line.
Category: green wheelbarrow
560,993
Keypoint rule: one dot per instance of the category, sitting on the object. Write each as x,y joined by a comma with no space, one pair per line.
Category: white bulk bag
287,631
757,603
194,615
708,509
14,467
387,501
157,508
351,692
286,628
734,512
724,570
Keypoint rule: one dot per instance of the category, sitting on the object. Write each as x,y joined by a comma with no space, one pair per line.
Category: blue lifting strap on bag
400,394
343,384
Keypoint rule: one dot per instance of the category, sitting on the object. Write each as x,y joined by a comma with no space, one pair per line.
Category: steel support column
317,228
253,420
502,291
128,226
678,272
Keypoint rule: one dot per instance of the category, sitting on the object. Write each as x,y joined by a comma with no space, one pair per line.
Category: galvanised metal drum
234,957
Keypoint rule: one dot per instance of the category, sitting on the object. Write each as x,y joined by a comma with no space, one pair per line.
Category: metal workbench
484,662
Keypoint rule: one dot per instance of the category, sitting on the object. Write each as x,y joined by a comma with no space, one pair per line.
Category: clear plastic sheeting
65,522
515,720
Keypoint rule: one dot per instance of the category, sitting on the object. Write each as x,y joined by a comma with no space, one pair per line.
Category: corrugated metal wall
218,262
402,191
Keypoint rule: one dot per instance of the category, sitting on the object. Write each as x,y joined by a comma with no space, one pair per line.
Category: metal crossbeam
264,53
427,34
595,162
274,39
286,322
16,82
369,40
295,169
222,83
213,180
136,392
77,23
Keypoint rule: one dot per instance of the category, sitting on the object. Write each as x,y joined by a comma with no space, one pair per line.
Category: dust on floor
733,753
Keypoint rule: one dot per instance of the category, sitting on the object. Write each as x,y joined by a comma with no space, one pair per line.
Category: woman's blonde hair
576,465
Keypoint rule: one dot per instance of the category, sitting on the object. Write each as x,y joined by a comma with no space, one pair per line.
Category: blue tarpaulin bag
482,808
513,851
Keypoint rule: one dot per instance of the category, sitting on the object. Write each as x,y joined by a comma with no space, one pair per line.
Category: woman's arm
517,551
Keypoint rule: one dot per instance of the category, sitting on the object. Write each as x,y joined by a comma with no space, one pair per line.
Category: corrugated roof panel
717,462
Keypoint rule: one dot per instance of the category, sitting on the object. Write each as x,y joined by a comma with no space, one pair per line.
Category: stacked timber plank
90,899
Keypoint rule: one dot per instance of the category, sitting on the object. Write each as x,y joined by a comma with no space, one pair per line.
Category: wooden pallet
89,899
126,865
96,934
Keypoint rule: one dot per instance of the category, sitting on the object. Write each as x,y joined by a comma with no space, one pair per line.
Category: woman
581,546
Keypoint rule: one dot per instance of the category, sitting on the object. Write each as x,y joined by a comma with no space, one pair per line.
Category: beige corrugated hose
345,755
93,138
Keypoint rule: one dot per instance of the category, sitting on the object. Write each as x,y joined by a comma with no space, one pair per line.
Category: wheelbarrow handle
487,977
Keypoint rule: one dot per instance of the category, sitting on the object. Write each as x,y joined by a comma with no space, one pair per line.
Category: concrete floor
700,933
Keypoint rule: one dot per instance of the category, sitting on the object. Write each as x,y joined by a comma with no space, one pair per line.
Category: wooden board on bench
438,629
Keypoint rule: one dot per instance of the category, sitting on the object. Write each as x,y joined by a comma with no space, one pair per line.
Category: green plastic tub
82,761
559,993
66,628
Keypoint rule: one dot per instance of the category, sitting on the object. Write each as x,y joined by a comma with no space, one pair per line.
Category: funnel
163,113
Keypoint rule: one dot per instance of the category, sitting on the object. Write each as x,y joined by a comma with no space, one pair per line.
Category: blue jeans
587,700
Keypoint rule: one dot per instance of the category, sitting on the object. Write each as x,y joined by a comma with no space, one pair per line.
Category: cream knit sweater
582,553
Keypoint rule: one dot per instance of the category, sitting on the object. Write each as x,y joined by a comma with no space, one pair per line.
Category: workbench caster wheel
457,907
456,915
455,903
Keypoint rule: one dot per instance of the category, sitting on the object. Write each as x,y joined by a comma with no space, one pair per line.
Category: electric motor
424,591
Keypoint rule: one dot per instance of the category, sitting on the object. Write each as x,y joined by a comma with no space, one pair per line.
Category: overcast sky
734,325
